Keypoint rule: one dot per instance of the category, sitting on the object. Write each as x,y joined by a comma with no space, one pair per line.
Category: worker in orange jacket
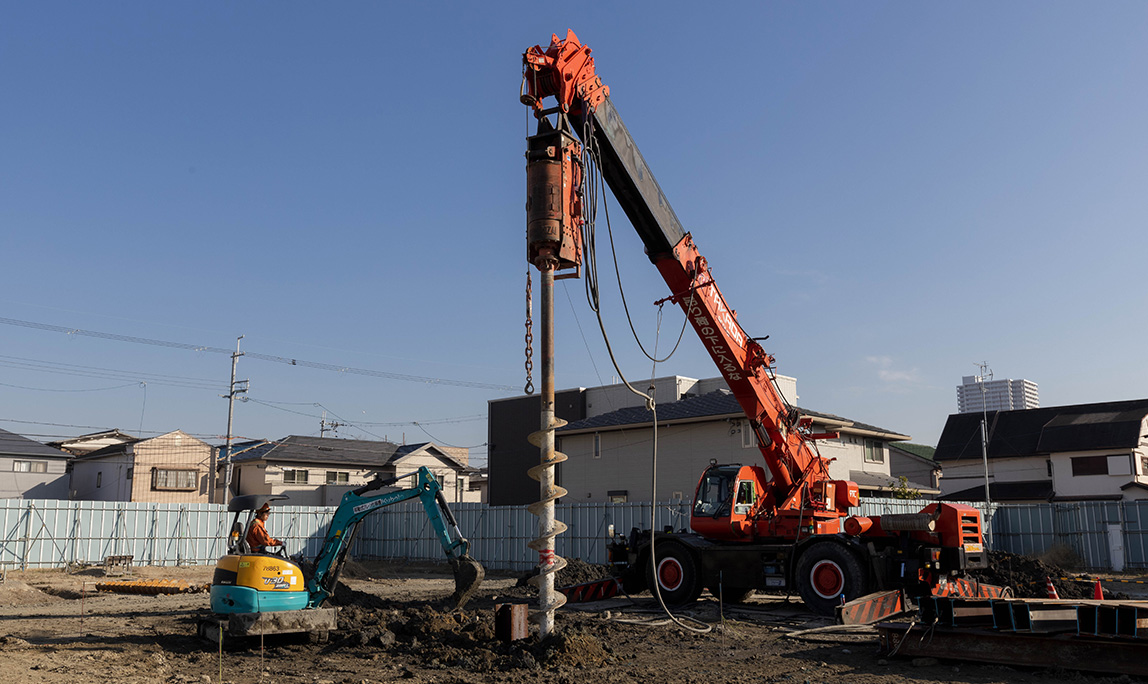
257,537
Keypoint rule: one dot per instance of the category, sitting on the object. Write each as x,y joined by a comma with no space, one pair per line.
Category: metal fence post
27,535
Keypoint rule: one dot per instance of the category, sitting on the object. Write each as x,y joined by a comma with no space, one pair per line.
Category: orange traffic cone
1051,588
1097,592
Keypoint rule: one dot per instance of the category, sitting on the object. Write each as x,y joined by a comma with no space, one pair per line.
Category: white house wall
847,454
267,479
454,485
51,484
961,475
684,451
103,479
1121,467
261,478
609,398
914,469
669,389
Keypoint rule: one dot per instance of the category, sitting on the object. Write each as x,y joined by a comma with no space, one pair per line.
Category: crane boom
565,71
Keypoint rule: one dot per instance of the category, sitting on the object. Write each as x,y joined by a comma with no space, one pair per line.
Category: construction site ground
395,625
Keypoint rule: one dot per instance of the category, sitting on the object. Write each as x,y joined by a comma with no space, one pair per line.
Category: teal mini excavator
265,592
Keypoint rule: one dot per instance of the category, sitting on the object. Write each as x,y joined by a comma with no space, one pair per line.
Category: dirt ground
54,627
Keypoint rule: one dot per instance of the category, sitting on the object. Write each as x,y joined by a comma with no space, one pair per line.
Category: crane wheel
827,575
676,574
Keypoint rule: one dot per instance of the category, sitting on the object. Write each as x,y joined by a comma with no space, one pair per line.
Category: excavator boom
355,506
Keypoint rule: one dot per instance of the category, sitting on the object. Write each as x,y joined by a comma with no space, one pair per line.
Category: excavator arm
355,506
565,71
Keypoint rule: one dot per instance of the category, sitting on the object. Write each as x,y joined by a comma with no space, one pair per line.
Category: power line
278,406
78,370
262,357
91,389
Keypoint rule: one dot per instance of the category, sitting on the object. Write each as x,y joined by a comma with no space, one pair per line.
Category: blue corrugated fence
50,534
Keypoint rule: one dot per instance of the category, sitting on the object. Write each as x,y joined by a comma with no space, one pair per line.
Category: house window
597,445
336,477
618,495
293,476
874,451
29,466
99,478
130,472
1144,465
168,479
748,437
1089,465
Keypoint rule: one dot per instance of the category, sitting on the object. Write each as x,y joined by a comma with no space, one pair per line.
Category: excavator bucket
468,574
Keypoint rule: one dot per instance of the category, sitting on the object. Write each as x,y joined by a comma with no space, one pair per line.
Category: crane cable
594,181
589,213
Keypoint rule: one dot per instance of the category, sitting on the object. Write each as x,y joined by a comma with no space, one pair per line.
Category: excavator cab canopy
252,502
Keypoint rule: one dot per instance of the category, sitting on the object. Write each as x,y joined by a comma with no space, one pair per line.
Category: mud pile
577,571
461,640
1028,577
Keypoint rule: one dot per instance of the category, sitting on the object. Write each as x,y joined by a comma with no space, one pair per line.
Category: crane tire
828,574
676,573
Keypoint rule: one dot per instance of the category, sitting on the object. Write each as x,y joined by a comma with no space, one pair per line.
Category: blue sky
892,191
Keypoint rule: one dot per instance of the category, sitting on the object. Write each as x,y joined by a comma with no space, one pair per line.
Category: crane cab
246,581
726,500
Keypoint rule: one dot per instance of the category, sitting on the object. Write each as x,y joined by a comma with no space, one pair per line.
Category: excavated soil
396,624
1029,577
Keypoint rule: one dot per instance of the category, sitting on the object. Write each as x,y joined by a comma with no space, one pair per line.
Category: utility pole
236,387
985,370
325,426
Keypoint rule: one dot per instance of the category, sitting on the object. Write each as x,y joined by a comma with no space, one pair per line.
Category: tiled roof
408,449
711,405
128,445
1040,490
12,444
916,449
1081,427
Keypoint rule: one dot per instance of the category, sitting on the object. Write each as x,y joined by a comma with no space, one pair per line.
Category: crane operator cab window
746,497
715,492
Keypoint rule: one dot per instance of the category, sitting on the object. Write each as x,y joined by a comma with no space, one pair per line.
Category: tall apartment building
999,395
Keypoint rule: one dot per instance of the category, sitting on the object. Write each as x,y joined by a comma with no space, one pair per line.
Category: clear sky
893,191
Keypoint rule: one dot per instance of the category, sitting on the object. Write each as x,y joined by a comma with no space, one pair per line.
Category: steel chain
529,389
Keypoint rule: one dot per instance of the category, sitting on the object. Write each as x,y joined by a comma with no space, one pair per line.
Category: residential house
479,486
1057,453
171,468
608,442
317,471
610,455
86,444
31,470
915,463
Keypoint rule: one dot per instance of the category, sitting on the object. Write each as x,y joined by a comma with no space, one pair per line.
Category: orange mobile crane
790,527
